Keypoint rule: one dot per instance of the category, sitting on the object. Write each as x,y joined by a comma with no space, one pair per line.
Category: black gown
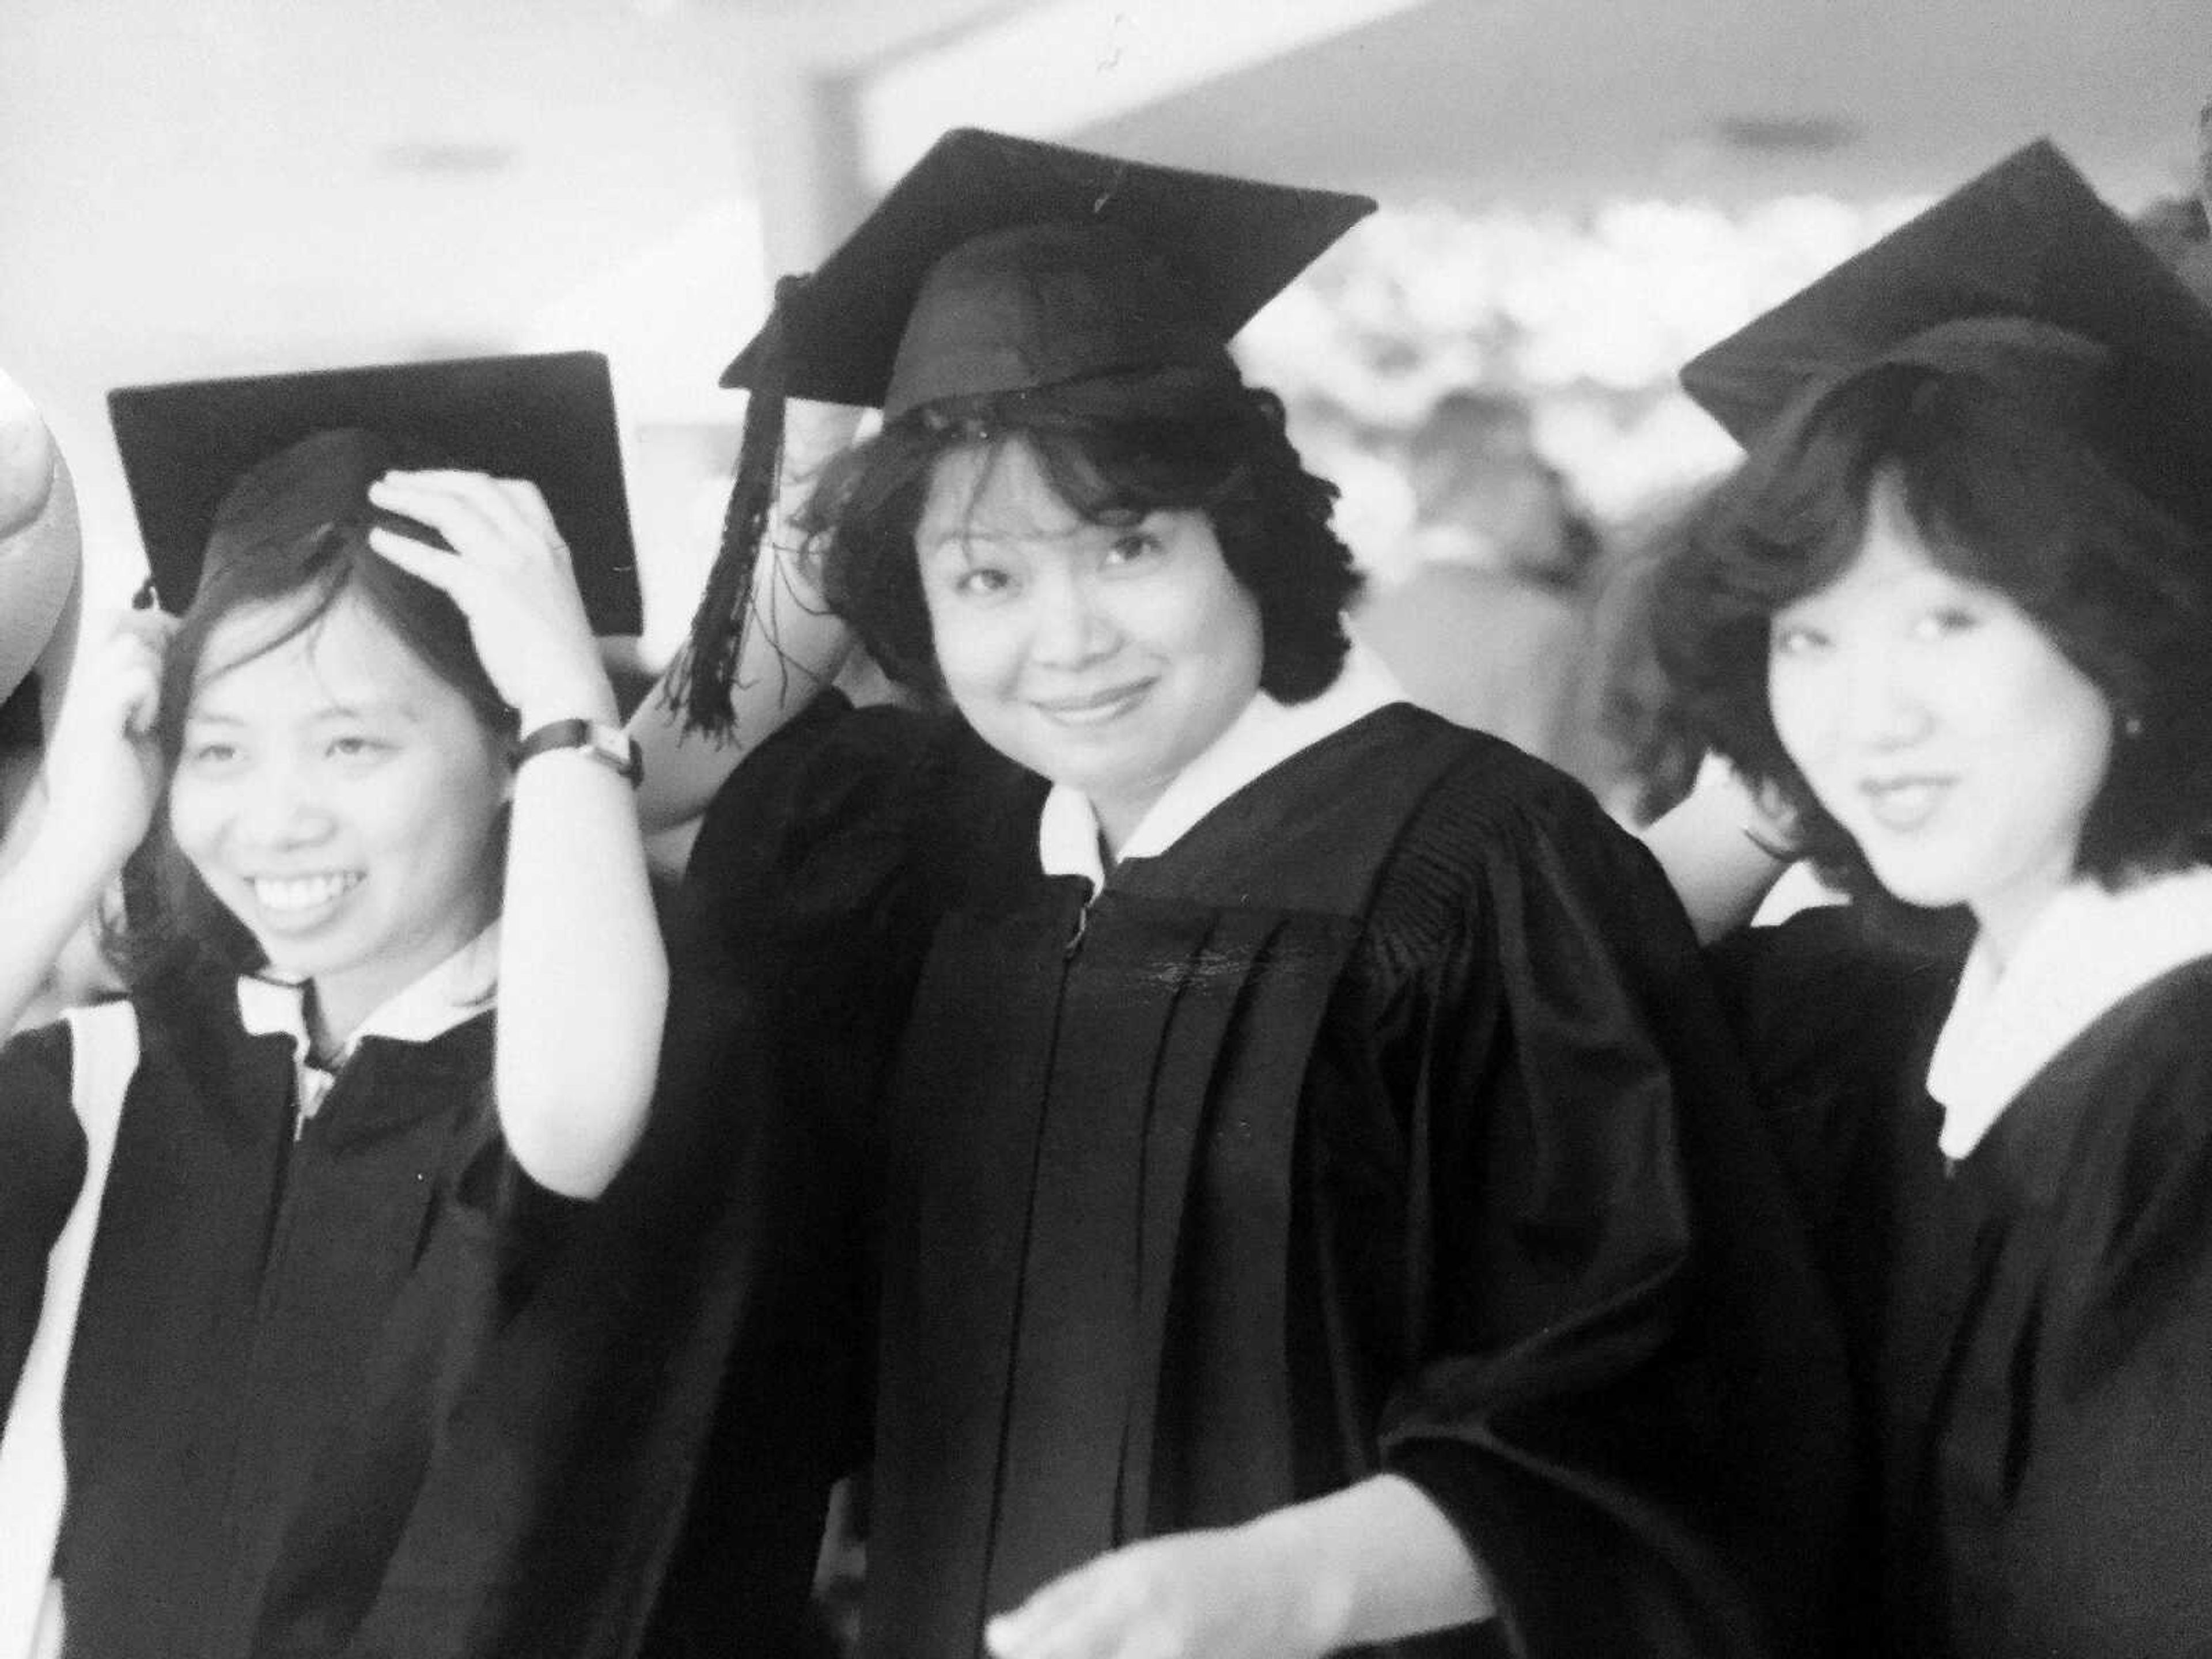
1385,1123
2030,1322
367,1391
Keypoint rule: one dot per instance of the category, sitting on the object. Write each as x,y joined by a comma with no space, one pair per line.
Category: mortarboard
1001,264
213,464
2023,277
1184,256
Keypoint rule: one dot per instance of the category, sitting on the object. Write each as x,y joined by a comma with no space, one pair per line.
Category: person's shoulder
41,1144
38,1053
833,766
836,814
1489,788
189,1006
2155,1044
1495,818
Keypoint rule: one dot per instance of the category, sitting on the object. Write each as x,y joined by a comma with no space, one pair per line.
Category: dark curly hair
1115,448
171,925
2005,496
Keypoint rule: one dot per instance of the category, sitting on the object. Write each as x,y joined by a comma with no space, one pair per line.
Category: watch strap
609,745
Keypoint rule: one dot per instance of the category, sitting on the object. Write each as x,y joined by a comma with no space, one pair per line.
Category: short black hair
1114,448
2006,497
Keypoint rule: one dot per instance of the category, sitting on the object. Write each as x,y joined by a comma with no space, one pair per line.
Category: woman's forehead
995,491
348,653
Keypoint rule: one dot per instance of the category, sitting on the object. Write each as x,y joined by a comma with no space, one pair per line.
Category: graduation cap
1071,264
1001,264
217,467
2025,279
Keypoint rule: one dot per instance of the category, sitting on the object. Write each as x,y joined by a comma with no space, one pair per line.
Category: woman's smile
294,897
1903,804
1094,707
1939,725
341,800
1105,654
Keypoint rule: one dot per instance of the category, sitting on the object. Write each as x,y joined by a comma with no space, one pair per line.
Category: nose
280,806
1882,705
1072,626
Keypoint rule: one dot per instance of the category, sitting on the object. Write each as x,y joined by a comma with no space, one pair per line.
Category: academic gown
2029,1323
2048,1386
1383,1122
366,1391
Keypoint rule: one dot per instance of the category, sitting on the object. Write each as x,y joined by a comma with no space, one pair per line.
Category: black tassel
705,672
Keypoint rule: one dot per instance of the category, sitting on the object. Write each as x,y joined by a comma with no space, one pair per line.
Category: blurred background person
1490,625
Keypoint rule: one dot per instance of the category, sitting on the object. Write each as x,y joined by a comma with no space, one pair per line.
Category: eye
1794,639
1943,621
356,746
1131,545
212,754
981,581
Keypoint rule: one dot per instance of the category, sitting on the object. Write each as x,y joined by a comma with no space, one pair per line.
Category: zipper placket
1076,935
312,1089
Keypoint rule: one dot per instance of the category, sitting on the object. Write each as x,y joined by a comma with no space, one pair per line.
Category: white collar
1264,735
460,987
2087,951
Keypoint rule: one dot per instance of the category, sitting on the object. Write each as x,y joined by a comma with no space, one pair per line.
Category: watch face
620,750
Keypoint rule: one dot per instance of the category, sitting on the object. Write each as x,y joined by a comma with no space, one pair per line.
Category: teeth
299,892
1095,712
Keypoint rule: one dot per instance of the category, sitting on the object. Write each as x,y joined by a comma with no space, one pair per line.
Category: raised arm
100,786
583,981
793,646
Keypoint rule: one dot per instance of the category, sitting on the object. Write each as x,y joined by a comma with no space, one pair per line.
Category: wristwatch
609,745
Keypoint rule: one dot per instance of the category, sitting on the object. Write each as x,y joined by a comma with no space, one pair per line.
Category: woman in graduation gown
1296,1189
339,1321
1951,615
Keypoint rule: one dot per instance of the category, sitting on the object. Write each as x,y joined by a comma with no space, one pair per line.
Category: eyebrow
965,536
961,541
393,709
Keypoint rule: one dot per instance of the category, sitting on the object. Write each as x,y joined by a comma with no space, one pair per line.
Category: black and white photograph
1071,829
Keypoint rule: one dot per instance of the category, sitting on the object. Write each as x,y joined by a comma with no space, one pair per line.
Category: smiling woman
338,797
1951,614
1953,741
314,1199
1108,655
1250,1157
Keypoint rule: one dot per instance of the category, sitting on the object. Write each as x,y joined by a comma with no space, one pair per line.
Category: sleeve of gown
1629,1394
809,898
808,846
1835,1028
803,911
42,1165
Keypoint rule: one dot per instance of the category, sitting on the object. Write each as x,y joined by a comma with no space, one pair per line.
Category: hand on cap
103,771
510,574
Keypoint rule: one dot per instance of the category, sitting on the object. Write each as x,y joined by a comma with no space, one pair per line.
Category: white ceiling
199,187
207,187
1561,99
